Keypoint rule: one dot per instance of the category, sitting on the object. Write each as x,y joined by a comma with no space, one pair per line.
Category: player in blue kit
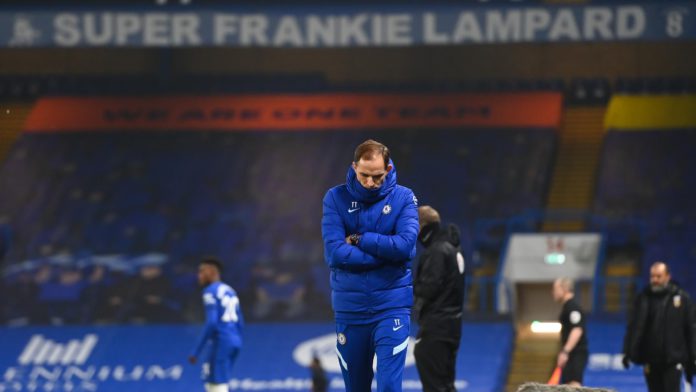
369,227
223,327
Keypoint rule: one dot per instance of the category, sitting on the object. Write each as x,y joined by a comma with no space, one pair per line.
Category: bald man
572,359
661,332
438,289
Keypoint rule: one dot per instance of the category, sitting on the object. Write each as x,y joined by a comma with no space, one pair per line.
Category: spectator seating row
252,198
646,187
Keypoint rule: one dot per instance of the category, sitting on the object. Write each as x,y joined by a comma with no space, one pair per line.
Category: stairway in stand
533,358
577,158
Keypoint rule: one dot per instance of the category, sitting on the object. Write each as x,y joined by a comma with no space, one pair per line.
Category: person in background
223,327
661,333
319,381
439,301
149,295
572,359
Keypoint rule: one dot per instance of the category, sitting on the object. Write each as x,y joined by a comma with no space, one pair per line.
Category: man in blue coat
370,227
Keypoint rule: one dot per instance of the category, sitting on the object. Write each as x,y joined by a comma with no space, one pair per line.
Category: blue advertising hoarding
153,358
359,25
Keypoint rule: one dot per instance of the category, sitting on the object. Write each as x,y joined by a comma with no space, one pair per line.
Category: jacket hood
434,233
453,235
364,195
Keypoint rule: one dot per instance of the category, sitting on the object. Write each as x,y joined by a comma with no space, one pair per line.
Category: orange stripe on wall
295,112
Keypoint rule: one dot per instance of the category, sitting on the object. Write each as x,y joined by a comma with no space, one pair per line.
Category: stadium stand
106,227
646,184
115,204
31,87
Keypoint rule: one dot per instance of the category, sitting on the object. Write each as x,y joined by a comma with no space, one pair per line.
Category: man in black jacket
661,332
439,301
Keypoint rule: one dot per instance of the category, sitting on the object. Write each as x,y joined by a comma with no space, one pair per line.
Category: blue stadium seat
247,197
646,186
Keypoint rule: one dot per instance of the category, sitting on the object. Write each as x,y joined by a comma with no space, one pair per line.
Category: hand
192,360
626,362
353,239
562,359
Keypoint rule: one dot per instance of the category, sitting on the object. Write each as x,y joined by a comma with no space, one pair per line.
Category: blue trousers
218,365
357,345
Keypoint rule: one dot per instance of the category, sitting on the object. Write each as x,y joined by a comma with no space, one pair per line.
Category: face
557,291
659,277
206,274
371,173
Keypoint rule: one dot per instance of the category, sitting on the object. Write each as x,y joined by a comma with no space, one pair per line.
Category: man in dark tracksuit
661,333
439,302
370,226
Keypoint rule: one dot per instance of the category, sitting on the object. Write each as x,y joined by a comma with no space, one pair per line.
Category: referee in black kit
573,356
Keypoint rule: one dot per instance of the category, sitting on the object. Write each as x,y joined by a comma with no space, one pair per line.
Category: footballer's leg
391,338
355,351
222,356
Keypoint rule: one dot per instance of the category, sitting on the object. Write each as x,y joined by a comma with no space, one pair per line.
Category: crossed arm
338,253
397,247
374,249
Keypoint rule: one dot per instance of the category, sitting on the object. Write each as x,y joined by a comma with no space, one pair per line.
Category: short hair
428,215
368,149
213,261
567,284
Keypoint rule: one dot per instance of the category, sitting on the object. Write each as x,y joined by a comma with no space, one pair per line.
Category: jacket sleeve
630,327
691,330
211,317
431,275
337,252
400,246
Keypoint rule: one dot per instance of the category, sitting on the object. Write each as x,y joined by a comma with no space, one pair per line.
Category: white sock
216,387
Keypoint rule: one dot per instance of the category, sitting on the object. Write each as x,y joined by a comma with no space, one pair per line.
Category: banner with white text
275,357
373,25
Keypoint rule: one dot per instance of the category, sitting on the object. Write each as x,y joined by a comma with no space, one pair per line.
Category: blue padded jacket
373,279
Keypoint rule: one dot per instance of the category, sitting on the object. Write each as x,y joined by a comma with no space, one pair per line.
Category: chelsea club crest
386,209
